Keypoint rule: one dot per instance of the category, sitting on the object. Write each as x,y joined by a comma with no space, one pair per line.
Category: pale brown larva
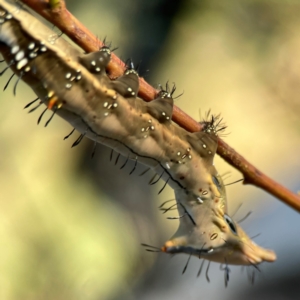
76,87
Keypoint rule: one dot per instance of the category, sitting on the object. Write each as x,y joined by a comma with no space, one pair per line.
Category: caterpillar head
214,236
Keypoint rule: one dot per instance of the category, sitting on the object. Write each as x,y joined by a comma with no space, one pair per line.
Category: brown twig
56,12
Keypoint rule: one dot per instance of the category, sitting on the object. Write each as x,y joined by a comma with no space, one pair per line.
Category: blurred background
71,226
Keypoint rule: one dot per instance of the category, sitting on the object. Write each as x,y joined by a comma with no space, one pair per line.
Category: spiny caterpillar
75,86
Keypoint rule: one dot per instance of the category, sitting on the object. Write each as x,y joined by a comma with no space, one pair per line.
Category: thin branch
56,12
255,177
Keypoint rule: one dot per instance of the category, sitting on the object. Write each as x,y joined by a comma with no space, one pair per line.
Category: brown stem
56,12
255,177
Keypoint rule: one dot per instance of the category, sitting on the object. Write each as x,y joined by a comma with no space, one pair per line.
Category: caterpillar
75,86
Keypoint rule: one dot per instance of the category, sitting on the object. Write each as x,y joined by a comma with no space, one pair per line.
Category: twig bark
56,12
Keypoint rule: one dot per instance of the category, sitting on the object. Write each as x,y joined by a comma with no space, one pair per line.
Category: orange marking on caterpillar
52,102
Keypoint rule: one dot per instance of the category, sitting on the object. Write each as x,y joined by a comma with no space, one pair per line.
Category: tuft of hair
129,65
167,91
213,124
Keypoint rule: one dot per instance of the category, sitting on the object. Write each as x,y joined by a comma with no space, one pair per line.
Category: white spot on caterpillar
168,118
183,156
199,200
106,114
8,16
131,72
31,46
149,121
22,63
68,75
14,49
68,85
209,152
32,55
178,153
147,128
97,69
115,104
109,106
205,193
133,93
19,55
204,146
188,149
163,113
78,77
143,129
50,94
93,63
129,89
115,97
190,156
168,166
152,127
210,250
27,69
145,136
105,104
43,49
